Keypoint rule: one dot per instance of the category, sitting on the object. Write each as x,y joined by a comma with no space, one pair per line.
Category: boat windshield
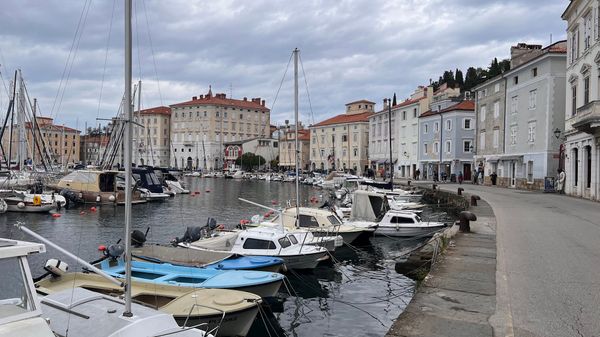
15,295
307,221
284,242
293,239
418,217
334,220
153,178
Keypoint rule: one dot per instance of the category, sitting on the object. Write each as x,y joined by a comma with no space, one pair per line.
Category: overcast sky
350,50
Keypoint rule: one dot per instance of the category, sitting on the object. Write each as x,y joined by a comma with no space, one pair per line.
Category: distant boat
18,201
94,186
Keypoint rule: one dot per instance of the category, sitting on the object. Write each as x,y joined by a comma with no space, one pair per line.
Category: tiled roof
343,119
408,102
52,127
303,135
464,106
159,110
361,101
221,100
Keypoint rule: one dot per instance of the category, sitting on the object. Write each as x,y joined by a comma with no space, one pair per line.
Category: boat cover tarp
223,242
178,255
368,206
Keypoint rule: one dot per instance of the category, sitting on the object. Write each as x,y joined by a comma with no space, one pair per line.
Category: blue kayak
239,262
262,283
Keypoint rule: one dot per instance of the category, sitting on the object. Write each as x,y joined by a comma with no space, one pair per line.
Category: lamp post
475,168
561,149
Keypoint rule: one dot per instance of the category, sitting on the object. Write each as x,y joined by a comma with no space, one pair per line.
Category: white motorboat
10,179
402,203
407,224
306,237
23,202
263,241
20,307
176,187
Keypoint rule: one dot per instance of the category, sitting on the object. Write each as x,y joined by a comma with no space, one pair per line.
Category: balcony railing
587,118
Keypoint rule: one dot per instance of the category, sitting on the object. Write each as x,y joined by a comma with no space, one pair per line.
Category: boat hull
235,323
304,261
407,231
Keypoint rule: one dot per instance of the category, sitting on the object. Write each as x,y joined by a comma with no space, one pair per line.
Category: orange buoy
55,215
93,209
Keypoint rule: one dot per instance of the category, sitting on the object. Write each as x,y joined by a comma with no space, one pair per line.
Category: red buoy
55,215
102,248
93,209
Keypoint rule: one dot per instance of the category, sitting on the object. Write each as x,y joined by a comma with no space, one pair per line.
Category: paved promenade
548,263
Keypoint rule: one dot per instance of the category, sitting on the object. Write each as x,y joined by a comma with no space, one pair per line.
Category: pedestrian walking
460,177
418,174
560,185
494,178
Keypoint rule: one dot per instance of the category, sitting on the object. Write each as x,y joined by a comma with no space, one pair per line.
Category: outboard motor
114,251
71,197
192,234
56,267
211,223
137,238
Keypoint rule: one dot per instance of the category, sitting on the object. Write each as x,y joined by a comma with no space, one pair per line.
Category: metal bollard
434,187
474,199
408,183
464,221
460,190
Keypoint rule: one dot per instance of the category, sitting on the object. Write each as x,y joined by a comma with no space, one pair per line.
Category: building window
355,137
436,127
496,138
534,72
513,135
514,102
587,31
586,90
436,147
467,146
467,124
403,115
425,148
448,146
482,140
425,128
497,87
496,109
415,113
531,132
530,171
532,99
355,152
482,113
449,125
241,116
573,100
344,138
516,80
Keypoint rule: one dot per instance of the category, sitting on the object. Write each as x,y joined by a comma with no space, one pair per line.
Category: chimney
385,104
245,99
201,96
194,98
262,102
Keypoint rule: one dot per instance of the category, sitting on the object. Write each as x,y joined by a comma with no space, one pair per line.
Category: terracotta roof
408,102
221,100
159,110
464,105
361,101
343,119
304,134
52,127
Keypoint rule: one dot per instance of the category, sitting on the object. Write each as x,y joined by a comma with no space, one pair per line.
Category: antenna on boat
127,159
296,149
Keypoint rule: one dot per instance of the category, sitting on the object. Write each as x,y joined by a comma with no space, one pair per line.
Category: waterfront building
405,135
287,148
200,127
267,148
152,141
535,101
490,104
59,143
342,142
582,105
446,138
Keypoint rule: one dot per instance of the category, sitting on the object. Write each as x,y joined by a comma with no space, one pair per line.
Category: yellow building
342,142
151,143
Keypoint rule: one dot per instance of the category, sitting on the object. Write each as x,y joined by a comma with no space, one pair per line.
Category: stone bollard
474,199
464,221
408,182
460,190
434,187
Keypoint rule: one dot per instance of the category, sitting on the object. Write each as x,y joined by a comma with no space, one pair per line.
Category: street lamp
557,133
561,149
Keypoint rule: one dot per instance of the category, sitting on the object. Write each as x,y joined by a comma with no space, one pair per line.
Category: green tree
458,75
494,69
394,100
248,161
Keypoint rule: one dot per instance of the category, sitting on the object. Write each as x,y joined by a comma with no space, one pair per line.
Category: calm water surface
360,294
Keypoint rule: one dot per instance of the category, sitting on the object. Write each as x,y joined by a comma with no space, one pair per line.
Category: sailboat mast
128,149
296,152
22,148
139,110
33,130
390,144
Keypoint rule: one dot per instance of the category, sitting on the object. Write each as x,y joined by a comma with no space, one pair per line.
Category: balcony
587,118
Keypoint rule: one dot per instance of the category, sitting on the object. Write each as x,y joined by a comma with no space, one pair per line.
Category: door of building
467,172
513,174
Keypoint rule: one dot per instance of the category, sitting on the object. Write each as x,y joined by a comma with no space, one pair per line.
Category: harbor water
357,292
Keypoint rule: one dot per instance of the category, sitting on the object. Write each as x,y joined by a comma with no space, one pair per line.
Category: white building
535,104
582,106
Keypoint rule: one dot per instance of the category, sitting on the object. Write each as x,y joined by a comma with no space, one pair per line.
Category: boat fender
98,198
21,205
112,198
56,267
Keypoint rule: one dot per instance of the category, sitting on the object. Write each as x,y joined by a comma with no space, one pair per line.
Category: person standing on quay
560,185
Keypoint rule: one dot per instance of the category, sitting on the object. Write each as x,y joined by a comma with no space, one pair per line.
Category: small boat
149,184
20,306
261,283
17,201
407,224
263,241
